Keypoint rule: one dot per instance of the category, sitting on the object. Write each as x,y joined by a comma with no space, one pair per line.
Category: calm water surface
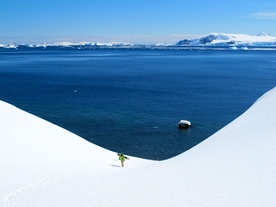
129,100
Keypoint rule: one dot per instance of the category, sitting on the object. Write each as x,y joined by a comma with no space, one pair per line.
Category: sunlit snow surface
45,165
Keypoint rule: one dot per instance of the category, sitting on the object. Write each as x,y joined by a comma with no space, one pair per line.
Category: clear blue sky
135,21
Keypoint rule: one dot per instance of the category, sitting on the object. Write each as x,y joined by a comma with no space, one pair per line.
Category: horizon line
130,39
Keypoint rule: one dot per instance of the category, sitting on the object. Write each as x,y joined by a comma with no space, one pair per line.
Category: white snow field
43,165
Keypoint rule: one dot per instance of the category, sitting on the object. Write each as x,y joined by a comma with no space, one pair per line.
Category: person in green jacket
122,158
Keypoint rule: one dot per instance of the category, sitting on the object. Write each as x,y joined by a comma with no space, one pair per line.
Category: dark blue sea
131,100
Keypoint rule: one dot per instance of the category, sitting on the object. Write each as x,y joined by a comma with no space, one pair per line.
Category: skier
122,158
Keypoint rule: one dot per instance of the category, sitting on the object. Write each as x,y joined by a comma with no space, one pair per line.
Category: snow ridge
45,165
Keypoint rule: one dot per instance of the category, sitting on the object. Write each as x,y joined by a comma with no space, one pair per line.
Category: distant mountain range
80,45
212,40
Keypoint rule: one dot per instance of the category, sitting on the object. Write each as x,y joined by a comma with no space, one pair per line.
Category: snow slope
44,165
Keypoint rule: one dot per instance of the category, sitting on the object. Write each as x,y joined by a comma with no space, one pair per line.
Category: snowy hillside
222,39
231,41
47,166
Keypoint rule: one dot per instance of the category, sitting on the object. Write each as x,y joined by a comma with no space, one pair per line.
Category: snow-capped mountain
239,40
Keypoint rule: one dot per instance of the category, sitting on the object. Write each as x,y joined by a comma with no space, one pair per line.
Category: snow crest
45,165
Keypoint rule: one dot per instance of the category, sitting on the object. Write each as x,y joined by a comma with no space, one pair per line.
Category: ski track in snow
9,200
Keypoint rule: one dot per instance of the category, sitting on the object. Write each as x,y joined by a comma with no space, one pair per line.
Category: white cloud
265,15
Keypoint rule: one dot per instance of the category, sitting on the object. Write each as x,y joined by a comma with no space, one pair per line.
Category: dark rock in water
184,124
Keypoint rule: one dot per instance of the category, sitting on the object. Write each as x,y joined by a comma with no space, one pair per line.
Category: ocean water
131,100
